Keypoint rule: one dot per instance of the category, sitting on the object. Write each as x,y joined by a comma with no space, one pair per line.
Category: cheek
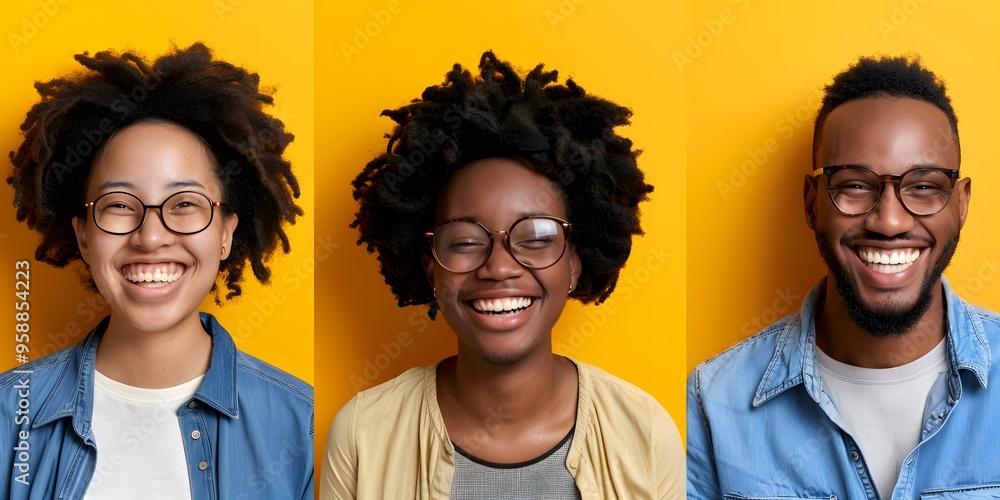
944,231
102,250
826,215
102,247
446,287
208,242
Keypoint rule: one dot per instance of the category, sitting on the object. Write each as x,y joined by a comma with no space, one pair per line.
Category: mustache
851,239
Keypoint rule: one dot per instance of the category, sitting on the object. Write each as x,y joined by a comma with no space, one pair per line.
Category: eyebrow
181,183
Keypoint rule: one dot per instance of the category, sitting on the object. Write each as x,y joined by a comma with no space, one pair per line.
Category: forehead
499,190
152,156
888,134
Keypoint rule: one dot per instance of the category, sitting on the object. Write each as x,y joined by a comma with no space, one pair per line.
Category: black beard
881,324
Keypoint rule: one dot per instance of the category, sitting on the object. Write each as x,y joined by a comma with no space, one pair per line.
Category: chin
153,319
502,359
500,355
887,318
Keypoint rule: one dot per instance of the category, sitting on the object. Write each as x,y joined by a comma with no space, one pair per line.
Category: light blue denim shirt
247,431
762,424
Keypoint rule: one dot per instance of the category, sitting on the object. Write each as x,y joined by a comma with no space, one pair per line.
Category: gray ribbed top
545,477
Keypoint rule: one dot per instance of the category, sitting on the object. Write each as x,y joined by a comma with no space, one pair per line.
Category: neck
506,394
154,360
842,340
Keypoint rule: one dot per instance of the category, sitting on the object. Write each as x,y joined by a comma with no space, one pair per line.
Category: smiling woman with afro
162,177
505,417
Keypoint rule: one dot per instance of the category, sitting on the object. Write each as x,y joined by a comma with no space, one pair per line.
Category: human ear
809,197
575,269
964,195
229,224
80,228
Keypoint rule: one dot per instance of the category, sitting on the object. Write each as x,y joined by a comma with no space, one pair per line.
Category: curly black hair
220,103
557,129
900,76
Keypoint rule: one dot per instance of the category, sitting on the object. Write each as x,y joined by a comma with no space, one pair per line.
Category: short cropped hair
885,76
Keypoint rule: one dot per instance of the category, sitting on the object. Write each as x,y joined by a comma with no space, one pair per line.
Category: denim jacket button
202,465
193,404
855,456
195,434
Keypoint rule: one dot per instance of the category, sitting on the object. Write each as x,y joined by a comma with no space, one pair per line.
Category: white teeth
158,276
501,305
889,262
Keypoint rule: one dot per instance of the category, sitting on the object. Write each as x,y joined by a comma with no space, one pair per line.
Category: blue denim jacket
248,430
762,424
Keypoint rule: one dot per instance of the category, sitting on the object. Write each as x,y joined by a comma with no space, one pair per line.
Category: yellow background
752,258
724,94
613,50
276,43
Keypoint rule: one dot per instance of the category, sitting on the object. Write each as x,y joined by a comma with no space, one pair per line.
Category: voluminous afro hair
219,102
885,76
557,129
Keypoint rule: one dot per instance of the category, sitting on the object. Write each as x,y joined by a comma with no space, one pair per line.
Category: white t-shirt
884,408
140,452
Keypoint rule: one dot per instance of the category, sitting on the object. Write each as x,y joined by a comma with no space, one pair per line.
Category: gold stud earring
571,287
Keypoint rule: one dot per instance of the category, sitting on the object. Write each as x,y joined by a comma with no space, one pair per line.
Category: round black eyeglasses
186,212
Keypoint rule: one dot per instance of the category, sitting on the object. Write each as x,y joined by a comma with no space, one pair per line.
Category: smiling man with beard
878,386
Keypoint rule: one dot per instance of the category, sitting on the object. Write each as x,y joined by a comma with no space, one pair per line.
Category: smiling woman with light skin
177,192
499,198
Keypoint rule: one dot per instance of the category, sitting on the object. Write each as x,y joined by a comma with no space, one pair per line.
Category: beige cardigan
390,442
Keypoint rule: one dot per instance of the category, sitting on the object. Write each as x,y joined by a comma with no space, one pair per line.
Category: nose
889,217
152,233
501,264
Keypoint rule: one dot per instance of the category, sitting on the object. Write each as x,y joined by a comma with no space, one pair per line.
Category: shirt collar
218,389
794,359
72,394
968,347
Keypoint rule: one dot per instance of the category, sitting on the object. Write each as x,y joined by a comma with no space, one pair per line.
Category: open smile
886,261
501,307
153,275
